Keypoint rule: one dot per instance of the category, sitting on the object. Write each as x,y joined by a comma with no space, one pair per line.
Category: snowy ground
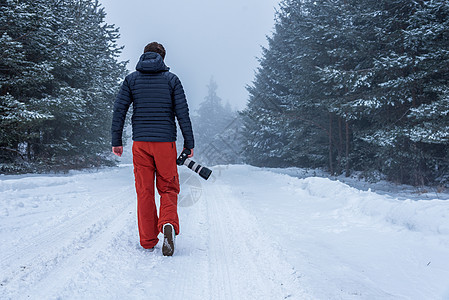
247,233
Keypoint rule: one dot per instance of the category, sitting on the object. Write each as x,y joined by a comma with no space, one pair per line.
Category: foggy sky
203,38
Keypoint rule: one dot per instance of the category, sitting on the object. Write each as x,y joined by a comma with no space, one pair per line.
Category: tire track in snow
243,263
26,266
220,284
57,234
55,281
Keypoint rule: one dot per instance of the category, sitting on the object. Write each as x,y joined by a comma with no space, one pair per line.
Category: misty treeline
59,75
354,85
217,129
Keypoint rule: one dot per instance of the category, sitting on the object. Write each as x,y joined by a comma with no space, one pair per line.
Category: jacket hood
151,62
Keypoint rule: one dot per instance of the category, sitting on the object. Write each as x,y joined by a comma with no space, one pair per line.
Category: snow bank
426,216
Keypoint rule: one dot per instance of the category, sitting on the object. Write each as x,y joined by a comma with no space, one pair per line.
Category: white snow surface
246,233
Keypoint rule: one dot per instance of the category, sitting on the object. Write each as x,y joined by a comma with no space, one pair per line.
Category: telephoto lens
197,168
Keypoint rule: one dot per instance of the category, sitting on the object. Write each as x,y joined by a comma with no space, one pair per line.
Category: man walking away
157,97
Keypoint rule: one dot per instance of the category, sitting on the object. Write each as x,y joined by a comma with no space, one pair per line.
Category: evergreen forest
59,74
354,86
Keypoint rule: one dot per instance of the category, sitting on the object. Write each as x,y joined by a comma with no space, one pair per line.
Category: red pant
158,158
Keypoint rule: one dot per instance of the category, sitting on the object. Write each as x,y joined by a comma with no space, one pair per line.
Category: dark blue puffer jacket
158,97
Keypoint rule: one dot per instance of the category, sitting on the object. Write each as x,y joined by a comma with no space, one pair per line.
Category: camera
197,168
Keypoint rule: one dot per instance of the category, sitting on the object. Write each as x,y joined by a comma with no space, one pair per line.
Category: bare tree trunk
347,149
331,168
340,146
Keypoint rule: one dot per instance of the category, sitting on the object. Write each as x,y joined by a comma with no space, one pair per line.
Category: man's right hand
117,150
191,153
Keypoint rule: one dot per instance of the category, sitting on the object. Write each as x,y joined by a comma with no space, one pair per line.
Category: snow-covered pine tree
344,76
87,72
428,36
288,117
71,43
22,84
263,137
406,67
266,131
331,45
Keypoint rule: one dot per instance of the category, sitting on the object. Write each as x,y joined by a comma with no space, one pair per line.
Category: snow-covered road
247,233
